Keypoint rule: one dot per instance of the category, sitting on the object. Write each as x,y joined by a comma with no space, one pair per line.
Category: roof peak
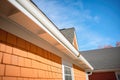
68,33
67,28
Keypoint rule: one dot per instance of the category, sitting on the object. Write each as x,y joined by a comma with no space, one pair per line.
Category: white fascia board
30,10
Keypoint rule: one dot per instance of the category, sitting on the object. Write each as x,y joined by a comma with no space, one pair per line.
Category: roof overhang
31,18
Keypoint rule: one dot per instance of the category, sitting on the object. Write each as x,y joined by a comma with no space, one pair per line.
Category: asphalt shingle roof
68,33
102,59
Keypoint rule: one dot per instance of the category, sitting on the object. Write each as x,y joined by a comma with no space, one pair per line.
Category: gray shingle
102,59
68,33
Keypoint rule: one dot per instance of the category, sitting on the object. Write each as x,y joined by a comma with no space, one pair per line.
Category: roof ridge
67,28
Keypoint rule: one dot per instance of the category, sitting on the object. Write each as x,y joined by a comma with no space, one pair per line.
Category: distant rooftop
103,59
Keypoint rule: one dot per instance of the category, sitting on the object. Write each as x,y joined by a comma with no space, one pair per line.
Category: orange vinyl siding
22,60
75,42
79,74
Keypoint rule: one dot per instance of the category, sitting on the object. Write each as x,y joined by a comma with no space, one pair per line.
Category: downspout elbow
89,72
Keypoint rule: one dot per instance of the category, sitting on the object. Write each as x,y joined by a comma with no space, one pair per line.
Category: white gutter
29,9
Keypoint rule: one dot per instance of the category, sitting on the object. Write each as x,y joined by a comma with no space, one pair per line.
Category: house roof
103,59
68,33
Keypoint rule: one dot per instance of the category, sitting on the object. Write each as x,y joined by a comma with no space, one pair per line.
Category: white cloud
91,40
71,13
96,19
65,16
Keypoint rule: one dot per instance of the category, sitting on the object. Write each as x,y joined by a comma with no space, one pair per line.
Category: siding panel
103,76
79,74
22,60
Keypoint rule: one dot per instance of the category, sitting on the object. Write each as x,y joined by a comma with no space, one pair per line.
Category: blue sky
97,22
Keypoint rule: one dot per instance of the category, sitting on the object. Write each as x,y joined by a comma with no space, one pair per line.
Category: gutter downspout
27,7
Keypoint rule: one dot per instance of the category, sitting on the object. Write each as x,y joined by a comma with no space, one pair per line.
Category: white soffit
27,23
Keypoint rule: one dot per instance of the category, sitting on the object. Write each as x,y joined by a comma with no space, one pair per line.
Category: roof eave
28,8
